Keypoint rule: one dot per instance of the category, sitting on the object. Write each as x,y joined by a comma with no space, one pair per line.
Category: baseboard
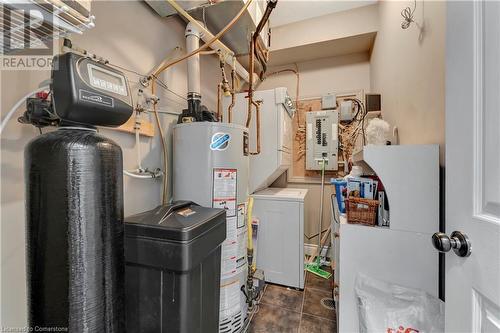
310,248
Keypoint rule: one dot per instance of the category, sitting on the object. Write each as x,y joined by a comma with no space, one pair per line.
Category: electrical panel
322,140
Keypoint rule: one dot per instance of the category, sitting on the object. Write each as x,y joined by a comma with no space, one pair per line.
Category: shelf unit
51,19
402,253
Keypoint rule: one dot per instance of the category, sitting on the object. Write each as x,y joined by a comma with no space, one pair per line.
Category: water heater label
224,196
229,252
220,141
229,299
224,190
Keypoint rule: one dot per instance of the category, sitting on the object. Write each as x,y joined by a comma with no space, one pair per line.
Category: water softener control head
88,92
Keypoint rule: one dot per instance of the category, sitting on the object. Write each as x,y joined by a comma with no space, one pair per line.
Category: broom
315,266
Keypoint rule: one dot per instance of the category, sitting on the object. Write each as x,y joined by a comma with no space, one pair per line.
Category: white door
473,165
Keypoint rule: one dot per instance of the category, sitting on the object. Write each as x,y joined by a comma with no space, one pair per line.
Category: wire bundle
350,132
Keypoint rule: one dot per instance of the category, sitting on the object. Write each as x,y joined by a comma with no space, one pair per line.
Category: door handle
458,241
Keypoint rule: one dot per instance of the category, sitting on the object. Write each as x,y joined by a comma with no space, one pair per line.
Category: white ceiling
289,11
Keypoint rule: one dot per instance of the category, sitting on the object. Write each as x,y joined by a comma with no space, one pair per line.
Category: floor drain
328,303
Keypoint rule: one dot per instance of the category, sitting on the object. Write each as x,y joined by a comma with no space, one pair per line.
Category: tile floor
284,310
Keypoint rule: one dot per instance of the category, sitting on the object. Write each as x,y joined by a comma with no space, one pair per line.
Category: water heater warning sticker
229,253
224,190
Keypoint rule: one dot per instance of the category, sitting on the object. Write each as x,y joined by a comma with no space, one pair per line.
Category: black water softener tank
75,232
74,204
173,258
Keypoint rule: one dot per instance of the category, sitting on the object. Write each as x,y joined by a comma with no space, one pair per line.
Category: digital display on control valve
101,78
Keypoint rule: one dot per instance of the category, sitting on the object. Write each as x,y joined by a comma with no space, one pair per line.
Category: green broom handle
320,227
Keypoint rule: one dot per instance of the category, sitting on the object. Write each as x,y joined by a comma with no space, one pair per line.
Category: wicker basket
362,211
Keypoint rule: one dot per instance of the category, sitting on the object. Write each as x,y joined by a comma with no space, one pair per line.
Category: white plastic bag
376,132
390,308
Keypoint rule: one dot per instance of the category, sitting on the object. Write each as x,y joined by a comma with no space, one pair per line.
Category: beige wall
408,69
322,76
319,77
129,34
327,27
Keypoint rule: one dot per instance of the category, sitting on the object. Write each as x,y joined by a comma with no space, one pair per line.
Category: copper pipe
163,66
224,82
250,83
219,106
251,69
233,97
257,124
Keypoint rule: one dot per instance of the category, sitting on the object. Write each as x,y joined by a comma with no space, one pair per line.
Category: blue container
340,192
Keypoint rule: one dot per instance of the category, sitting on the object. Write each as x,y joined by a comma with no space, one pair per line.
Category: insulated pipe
193,63
271,4
249,224
251,268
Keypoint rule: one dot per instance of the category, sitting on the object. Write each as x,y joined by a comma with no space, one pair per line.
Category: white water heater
210,168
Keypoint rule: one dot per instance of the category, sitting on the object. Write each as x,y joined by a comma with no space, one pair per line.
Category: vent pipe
193,36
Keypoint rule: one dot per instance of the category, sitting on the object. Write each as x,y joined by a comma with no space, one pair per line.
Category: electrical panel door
322,139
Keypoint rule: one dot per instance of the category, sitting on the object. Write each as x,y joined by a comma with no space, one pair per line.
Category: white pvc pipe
193,63
137,142
5,120
206,35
